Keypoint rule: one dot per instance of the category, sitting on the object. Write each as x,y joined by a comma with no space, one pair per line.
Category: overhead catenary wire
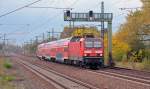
53,8
64,8
14,24
54,16
19,8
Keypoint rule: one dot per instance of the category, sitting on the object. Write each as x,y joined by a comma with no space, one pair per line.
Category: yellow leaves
85,31
120,45
120,48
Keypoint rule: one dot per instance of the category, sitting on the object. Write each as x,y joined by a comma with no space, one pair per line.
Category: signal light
68,13
90,13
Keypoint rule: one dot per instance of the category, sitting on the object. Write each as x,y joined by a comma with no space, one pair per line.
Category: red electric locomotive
79,51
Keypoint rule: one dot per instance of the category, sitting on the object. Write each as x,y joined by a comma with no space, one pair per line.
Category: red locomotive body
79,51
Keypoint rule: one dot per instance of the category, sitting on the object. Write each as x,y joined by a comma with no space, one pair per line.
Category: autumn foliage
80,31
127,40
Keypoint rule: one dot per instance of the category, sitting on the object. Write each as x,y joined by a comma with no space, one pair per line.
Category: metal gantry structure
95,17
51,34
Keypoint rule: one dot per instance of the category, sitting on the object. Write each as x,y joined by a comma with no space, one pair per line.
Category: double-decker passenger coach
87,52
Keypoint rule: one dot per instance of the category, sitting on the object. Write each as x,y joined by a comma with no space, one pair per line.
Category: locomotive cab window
97,44
88,44
75,39
93,43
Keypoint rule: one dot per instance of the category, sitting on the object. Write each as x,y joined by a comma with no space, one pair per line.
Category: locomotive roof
60,41
64,42
94,39
40,45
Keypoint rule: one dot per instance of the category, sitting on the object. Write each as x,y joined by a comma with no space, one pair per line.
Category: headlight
86,54
101,54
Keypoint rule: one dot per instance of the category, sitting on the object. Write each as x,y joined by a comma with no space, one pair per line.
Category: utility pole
52,38
109,32
27,46
4,40
51,34
43,37
111,62
36,39
95,17
102,26
102,22
31,42
23,48
4,43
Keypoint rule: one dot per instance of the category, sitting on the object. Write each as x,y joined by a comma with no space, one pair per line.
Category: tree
128,33
80,31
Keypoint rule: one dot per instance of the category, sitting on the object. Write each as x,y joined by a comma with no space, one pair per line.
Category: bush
8,65
7,78
146,64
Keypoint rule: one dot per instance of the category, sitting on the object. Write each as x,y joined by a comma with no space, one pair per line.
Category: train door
74,49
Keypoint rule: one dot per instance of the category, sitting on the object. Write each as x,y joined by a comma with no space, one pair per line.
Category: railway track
130,72
134,76
60,81
128,77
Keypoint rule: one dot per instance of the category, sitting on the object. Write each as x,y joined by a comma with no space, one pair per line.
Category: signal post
95,17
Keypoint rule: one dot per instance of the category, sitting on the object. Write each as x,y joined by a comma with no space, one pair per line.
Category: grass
5,83
8,78
145,65
5,79
7,64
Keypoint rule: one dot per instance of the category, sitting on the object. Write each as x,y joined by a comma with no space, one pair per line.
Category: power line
14,24
54,16
53,8
116,3
19,8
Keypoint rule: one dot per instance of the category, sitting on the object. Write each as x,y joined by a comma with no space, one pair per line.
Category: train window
65,49
97,44
78,40
89,44
75,39
53,49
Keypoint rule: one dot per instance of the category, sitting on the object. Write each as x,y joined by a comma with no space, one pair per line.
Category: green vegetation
7,64
146,64
80,31
8,78
5,79
128,47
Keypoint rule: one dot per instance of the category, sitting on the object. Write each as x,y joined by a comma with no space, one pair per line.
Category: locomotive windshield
93,43
97,44
89,44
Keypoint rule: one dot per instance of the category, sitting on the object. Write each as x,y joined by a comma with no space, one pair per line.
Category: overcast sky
27,23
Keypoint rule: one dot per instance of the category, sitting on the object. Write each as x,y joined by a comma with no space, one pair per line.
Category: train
81,51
